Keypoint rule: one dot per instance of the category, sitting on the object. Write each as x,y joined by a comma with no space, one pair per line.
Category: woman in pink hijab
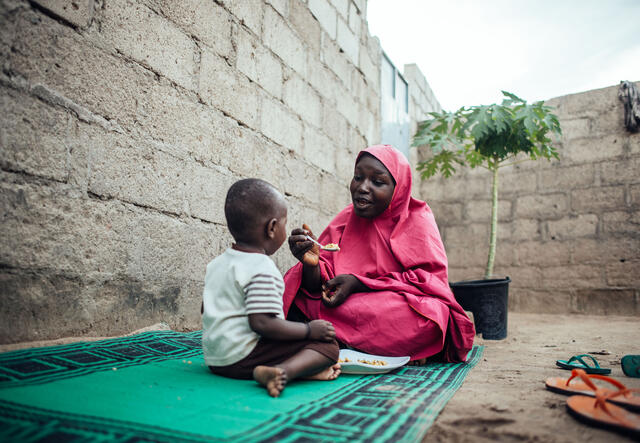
386,290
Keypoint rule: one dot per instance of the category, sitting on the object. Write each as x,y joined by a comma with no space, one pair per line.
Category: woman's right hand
321,330
303,249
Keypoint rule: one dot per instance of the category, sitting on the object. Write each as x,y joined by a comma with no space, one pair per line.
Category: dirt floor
503,398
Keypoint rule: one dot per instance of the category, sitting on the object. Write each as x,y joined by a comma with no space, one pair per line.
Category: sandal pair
607,408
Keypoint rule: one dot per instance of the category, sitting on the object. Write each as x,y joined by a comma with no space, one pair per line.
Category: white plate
353,366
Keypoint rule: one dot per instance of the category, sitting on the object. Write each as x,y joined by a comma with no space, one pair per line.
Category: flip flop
577,362
631,365
601,413
581,383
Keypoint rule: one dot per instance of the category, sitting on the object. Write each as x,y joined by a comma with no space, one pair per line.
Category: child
244,331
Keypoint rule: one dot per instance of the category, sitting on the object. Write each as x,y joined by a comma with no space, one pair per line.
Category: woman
386,291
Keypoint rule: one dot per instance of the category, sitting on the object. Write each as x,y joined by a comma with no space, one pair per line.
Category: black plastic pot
489,302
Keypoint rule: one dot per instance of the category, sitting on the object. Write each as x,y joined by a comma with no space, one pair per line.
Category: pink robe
410,309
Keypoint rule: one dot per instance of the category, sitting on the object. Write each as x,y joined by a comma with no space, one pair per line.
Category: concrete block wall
123,124
569,230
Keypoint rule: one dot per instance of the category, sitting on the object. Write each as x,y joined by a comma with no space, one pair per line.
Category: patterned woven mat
155,387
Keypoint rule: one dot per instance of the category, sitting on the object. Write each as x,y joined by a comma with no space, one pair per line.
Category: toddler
244,332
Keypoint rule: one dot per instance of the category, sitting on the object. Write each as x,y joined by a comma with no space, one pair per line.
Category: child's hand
304,250
321,330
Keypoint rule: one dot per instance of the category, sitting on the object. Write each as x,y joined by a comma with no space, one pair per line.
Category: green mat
155,387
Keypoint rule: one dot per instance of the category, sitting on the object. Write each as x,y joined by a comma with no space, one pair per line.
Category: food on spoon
331,247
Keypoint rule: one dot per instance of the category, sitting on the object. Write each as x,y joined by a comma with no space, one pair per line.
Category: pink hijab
400,256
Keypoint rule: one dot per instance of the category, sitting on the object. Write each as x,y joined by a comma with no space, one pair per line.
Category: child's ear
271,228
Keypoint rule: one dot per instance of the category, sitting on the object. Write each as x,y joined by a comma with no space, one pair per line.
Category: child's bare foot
272,378
327,374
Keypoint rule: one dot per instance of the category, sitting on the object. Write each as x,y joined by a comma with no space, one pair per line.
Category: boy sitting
244,331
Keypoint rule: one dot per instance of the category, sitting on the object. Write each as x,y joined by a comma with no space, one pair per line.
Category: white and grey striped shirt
263,294
237,284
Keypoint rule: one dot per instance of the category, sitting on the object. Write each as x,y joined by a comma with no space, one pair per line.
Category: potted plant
492,137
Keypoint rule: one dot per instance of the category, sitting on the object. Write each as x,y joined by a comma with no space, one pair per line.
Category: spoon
330,247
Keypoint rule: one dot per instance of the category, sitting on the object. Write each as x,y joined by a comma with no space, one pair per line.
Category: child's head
256,214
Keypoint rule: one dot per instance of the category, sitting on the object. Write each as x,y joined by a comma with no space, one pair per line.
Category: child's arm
270,326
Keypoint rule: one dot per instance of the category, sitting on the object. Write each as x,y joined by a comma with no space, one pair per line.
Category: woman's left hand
338,289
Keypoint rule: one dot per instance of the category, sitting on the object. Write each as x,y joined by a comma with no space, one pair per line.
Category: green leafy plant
490,137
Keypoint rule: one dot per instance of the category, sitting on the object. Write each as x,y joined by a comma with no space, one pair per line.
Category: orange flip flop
581,383
600,412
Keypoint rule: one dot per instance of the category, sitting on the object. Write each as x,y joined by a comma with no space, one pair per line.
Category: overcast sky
469,50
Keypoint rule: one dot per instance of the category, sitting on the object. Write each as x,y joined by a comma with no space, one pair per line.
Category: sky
470,50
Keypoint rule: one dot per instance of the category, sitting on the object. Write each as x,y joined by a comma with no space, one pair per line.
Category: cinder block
573,277
598,199
258,63
347,106
249,12
606,301
480,210
282,6
562,178
324,81
370,68
463,255
621,222
526,229
582,225
625,274
540,302
512,181
229,91
348,41
470,235
50,54
545,206
592,149
33,136
355,20
207,21
336,61
608,250
634,191
303,100
535,253
78,12
205,191
319,150
281,126
335,125
133,171
140,33
326,15
337,196
307,27
447,212
284,42
620,172
342,6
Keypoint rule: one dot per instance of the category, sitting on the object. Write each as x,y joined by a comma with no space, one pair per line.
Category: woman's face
371,188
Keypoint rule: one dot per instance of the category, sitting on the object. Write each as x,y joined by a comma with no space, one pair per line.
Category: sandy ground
503,398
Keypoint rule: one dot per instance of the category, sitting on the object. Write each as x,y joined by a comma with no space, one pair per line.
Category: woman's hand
304,250
321,330
338,289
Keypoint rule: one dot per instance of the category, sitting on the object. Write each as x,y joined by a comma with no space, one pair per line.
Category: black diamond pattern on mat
46,364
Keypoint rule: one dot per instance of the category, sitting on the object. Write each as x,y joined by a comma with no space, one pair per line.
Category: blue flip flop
631,365
577,362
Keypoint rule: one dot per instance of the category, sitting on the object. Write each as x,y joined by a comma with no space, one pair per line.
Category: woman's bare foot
327,374
272,378
420,362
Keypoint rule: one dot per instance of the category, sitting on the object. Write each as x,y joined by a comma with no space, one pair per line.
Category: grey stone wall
124,123
569,230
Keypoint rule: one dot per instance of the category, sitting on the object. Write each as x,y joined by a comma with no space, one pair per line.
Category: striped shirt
237,284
